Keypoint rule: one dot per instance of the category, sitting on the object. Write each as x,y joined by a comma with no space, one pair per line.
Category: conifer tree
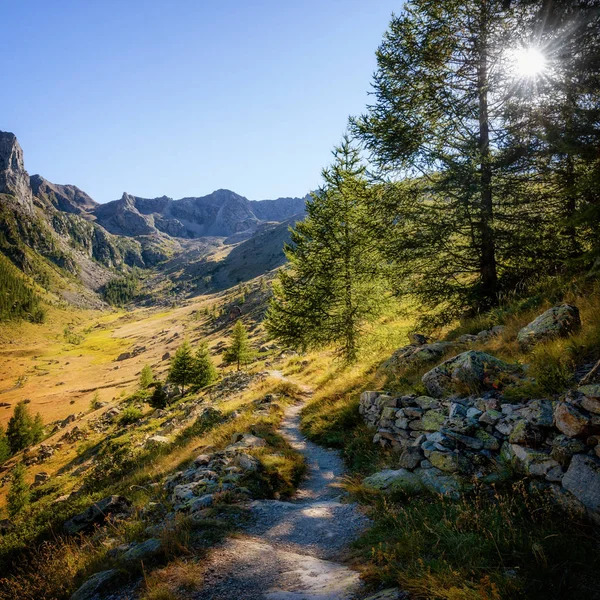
159,398
4,446
436,121
19,431
146,377
182,368
239,351
18,494
204,369
37,429
334,284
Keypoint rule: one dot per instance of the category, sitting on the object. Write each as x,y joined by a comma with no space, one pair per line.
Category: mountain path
290,552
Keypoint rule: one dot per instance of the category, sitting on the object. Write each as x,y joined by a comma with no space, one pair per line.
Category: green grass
487,546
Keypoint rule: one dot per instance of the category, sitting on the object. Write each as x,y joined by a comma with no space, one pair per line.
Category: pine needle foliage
239,351
334,284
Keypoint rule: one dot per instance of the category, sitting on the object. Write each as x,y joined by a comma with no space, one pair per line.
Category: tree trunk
487,270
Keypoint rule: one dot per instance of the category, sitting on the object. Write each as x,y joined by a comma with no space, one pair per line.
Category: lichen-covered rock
410,457
582,479
558,321
143,551
468,372
564,448
538,413
416,354
533,462
94,585
390,481
450,462
438,482
570,420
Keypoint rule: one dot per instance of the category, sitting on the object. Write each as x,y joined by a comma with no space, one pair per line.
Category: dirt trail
290,551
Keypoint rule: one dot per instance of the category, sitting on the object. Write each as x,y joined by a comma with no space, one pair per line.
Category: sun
529,62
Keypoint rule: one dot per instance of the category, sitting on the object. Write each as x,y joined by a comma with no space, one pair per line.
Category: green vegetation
121,290
146,377
204,370
17,299
334,283
159,398
18,495
24,430
239,351
514,543
181,372
4,446
130,415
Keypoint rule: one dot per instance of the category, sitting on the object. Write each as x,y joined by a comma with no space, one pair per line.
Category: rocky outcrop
97,514
558,321
66,198
95,585
14,180
470,371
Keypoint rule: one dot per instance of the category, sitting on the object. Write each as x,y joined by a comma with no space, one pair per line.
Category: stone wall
458,439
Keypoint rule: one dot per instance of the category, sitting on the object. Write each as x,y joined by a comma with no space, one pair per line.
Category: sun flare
529,62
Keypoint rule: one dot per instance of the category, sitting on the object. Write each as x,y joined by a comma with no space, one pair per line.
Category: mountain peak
14,179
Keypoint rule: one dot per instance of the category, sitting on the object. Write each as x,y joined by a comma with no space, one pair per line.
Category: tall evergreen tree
436,121
239,351
19,431
204,369
18,494
4,446
181,372
333,284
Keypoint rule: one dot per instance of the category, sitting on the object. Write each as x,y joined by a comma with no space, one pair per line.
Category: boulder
558,321
410,457
438,482
143,551
416,354
564,448
97,513
94,585
157,440
582,479
418,339
201,503
533,462
389,481
570,420
538,413
469,371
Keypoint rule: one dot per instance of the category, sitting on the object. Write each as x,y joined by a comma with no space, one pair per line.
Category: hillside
70,244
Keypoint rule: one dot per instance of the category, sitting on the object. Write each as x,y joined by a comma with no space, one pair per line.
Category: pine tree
436,124
334,283
4,446
182,368
18,495
146,377
204,369
159,398
19,430
37,429
239,351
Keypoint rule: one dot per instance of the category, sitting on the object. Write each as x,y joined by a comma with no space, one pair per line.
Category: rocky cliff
14,180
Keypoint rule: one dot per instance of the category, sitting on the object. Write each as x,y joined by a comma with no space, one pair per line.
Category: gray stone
14,179
94,585
410,457
564,448
143,550
432,420
582,479
438,482
556,321
97,513
533,462
539,413
490,417
389,481
201,503
469,371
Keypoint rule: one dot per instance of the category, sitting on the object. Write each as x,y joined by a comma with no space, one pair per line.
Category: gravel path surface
290,550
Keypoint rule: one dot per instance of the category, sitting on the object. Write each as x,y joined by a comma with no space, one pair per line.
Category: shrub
130,415
159,398
146,377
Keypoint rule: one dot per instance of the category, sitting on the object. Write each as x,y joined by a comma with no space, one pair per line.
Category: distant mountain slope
47,227
220,214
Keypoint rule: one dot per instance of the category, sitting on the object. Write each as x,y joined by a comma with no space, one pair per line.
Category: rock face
97,513
582,479
222,213
66,198
558,321
14,179
470,371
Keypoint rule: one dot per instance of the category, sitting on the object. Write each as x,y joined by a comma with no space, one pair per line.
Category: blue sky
182,97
